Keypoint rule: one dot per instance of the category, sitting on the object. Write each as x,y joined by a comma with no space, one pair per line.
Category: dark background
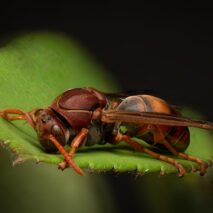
164,50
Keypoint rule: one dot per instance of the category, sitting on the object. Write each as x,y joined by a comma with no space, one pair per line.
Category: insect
86,116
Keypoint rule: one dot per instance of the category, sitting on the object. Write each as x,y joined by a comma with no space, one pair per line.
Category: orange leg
77,141
137,146
67,157
160,138
203,165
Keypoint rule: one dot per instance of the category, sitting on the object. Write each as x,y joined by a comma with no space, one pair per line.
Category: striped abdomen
178,137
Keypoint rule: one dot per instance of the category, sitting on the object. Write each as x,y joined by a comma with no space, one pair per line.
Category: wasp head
47,123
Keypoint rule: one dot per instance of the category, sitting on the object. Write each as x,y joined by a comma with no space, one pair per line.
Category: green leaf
37,67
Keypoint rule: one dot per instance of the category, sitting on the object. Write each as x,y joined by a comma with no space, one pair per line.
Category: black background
166,50
163,49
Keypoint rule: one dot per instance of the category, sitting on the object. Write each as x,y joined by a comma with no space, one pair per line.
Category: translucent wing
113,116
128,93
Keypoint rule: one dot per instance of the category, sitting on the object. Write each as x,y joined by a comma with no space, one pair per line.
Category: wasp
85,116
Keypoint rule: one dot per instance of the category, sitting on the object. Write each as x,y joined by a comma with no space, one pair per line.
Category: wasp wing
113,116
128,93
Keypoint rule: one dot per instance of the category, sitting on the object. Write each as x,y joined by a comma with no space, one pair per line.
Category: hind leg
137,146
160,138
203,165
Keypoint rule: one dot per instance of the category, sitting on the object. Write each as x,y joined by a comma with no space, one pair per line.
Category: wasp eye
46,118
56,130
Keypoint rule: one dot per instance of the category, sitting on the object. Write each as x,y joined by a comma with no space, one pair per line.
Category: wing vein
112,116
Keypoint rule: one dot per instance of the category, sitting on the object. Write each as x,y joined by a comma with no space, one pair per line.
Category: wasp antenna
12,114
17,114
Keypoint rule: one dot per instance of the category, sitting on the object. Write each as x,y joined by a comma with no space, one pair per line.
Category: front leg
68,159
76,142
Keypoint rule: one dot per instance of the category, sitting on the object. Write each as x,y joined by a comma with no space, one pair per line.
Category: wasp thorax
46,123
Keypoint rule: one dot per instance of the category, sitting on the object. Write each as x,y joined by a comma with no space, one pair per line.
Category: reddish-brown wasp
85,116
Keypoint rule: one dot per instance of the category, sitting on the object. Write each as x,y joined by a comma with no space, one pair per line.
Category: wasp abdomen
144,103
178,137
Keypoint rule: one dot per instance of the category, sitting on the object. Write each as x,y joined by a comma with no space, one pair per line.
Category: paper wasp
86,116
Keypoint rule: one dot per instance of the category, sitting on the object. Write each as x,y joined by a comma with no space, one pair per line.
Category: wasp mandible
86,116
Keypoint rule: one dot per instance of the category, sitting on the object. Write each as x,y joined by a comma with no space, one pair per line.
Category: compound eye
58,134
45,118
56,130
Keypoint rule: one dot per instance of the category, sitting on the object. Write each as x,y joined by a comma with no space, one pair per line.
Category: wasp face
46,123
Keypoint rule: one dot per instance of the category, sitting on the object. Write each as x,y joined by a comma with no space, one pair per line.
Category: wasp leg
67,157
77,141
160,138
137,146
203,165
